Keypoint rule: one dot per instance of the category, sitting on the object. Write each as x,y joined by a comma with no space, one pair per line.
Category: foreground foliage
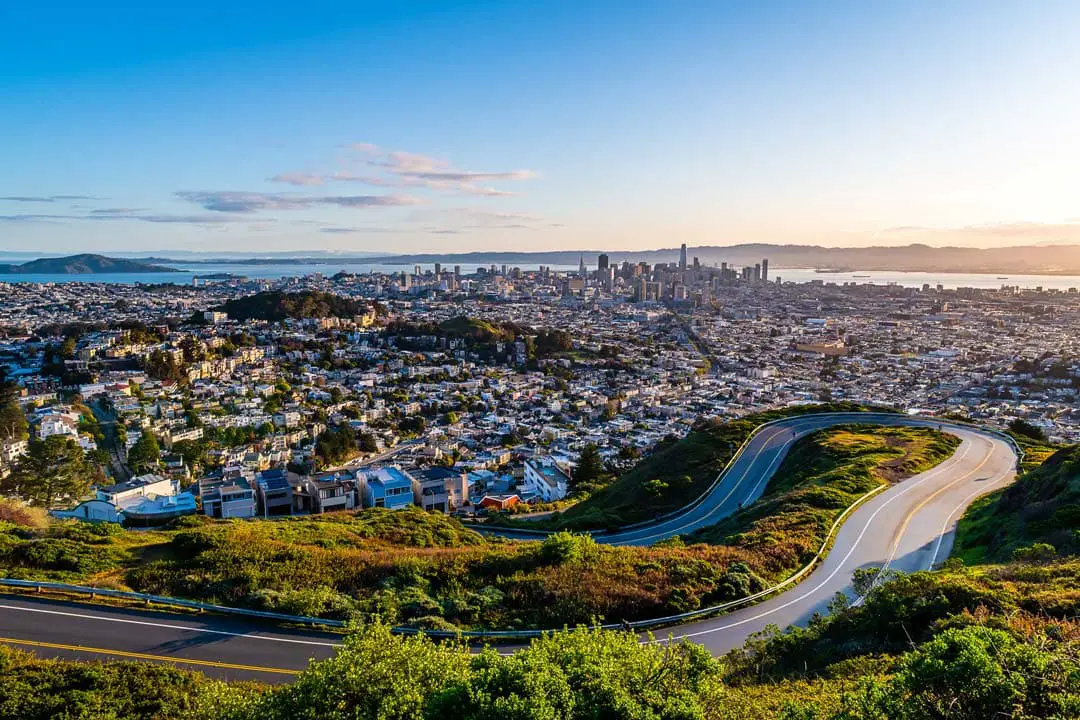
33,689
975,668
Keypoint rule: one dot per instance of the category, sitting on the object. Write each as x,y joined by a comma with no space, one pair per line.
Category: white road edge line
831,575
85,616
963,505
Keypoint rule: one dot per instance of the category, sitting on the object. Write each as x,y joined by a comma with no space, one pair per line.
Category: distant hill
85,264
276,306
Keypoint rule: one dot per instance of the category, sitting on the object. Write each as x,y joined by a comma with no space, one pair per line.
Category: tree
54,470
336,445
145,454
367,443
163,366
12,419
590,468
1022,427
194,452
67,348
194,350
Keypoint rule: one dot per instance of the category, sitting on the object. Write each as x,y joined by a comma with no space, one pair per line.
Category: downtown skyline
427,127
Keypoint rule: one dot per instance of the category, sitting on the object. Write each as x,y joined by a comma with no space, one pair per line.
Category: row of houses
238,493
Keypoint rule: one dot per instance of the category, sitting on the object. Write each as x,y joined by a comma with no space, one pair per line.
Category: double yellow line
928,499
144,656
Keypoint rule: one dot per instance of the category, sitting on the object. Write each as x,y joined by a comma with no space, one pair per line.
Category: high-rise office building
682,257
438,269
765,270
602,262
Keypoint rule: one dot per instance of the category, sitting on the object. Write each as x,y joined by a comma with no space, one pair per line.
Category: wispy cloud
408,169
215,219
46,198
360,230
31,217
249,202
301,179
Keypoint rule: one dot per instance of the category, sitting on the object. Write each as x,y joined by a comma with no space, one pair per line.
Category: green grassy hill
1043,506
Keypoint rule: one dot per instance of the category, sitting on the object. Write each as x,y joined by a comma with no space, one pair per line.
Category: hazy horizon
362,128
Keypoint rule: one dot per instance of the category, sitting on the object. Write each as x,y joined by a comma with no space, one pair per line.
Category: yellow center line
911,513
144,656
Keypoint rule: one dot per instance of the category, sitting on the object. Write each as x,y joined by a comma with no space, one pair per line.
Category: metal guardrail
169,601
510,634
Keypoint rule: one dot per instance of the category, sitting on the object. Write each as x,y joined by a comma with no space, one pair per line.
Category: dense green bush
578,674
32,689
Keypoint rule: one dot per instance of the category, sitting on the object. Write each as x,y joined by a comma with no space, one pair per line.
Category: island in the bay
84,264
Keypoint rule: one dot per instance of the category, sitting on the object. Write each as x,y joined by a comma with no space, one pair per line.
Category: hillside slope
1043,506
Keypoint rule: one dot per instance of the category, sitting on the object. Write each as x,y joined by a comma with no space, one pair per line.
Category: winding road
909,526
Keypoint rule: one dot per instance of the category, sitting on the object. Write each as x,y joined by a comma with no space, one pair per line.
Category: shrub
563,547
1037,553
19,513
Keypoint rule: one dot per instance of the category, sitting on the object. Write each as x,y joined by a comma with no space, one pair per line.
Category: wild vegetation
822,475
970,666
1042,508
427,570
994,640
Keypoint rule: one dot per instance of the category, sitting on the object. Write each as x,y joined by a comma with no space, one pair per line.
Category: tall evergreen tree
145,454
54,471
590,467
13,425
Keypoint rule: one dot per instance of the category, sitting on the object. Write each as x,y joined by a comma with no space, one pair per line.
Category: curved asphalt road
906,527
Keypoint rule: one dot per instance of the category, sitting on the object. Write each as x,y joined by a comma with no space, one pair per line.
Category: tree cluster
276,306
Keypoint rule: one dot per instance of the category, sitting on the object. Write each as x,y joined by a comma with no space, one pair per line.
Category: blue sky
408,126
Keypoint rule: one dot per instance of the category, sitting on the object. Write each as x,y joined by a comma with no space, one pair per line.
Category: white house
545,479
145,499
231,496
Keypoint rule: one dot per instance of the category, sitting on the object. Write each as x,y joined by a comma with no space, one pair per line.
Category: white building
545,479
145,499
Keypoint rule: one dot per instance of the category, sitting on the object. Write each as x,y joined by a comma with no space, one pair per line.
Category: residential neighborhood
466,393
